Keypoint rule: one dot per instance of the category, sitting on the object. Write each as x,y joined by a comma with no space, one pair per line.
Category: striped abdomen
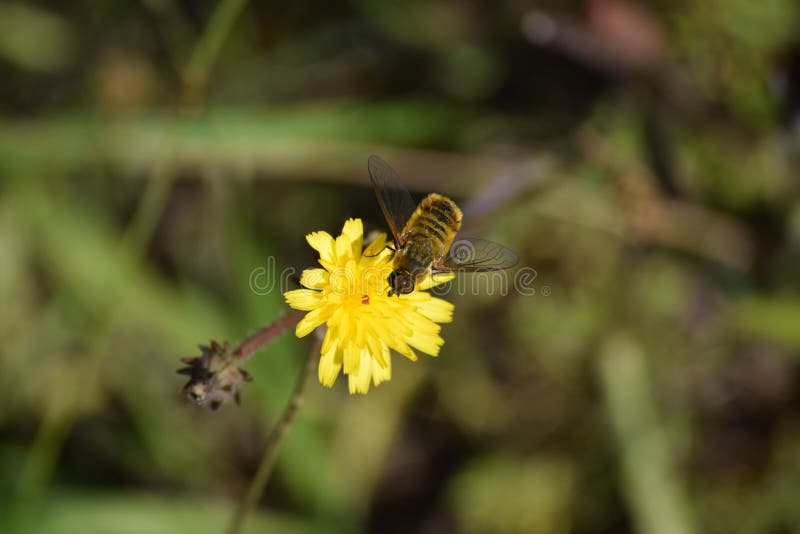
428,234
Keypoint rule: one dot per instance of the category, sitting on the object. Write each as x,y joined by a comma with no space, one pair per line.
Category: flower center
354,286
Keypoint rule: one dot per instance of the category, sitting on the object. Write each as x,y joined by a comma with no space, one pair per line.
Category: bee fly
424,235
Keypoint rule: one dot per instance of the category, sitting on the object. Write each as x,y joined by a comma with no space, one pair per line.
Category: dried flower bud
214,377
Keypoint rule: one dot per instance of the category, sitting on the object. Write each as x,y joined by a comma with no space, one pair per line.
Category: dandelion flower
350,295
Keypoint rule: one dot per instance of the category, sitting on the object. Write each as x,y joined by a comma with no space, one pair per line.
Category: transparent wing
395,200
473,254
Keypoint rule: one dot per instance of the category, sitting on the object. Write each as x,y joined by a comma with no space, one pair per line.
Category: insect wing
395,200
476,255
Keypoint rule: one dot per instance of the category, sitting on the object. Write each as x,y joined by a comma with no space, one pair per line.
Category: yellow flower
349,295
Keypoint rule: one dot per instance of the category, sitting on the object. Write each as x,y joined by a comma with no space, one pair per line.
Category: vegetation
159,160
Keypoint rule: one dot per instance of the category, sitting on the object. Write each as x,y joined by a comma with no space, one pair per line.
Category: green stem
274,439
195,76
655,490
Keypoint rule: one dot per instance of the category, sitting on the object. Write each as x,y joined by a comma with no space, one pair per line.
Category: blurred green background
640,157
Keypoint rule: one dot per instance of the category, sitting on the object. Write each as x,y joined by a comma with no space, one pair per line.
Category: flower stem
277,433
205,53
250,346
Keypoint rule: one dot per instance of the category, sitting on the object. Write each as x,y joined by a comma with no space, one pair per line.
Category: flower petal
382,374
426,342
377,348
359,382
353,234
433,280
322,242
303,299
330,341
329,367
403,348
328,265
352,358
314,278
436,309
377,245
313,319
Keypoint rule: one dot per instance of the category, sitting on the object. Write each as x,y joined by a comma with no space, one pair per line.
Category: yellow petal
359,382
314,278
402,347
381,329
303,299
352,358
426,342
376,348
392,324
328,265
423,325
382,374
313,319
331,339
322,242
438,310
353,234
374,248
348,244
433,280
328,366
339,281
433,308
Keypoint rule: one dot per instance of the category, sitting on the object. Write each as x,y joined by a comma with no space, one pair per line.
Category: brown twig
266,334
274,439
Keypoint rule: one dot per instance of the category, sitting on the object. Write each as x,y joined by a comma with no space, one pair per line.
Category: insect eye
408,286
